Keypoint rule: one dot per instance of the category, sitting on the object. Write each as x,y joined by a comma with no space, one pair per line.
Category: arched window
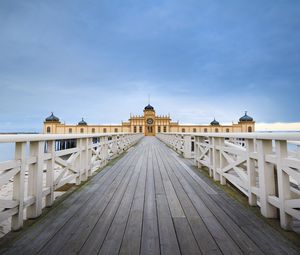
48,130
70,130
194,130
227,130
158,129
81,130
183,130
205,130
249,129
141,129
216,130
104,130
134,129
116,130
93,130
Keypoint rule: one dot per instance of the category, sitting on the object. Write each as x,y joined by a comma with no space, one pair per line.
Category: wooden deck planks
150,235
71,236
149,202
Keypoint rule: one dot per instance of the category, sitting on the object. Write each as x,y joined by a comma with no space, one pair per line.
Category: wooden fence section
51,161
264,166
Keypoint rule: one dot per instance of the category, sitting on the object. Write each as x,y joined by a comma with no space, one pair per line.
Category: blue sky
100,60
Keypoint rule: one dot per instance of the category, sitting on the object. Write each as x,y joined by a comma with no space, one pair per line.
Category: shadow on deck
149,202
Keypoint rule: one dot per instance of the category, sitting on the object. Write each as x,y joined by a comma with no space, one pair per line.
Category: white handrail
260,165
51,161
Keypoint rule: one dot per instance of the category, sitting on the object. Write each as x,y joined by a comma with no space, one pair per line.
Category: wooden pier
151,201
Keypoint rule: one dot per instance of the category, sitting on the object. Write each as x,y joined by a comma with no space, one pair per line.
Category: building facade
149,124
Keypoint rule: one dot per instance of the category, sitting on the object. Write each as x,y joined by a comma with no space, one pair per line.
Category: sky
198,59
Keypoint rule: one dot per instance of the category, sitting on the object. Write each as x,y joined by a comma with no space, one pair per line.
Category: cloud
100,60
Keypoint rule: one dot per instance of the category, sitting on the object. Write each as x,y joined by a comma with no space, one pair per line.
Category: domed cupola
215,123
246,118
82,122
52,118
149,108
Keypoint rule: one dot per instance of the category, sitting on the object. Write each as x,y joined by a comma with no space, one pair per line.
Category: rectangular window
134,129
116,130
158,128
141,129
165,129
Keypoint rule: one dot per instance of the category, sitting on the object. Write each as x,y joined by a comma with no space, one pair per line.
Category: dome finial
52,118
246,117
82,122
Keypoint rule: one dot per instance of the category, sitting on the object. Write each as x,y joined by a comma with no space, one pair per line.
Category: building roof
246,117
149,107
52,118
82,122
215,123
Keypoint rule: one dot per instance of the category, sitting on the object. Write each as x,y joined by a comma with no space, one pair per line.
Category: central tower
149,119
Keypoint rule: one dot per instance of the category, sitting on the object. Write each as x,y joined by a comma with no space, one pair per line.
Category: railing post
215,159
284,192
35,179
79,162
196,152
187,149
105,149
266,178
252,198
222,160
114,145
87,157
18,185
211,156
50,173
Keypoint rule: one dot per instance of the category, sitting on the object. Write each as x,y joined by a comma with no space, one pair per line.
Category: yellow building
149,123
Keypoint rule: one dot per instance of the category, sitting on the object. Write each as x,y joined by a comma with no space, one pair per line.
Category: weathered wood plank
100,230
203,237
114,237
71,237
224,241
167,234
150,236
132,237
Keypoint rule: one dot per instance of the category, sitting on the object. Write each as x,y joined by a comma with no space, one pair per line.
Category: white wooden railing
44,163
263,166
